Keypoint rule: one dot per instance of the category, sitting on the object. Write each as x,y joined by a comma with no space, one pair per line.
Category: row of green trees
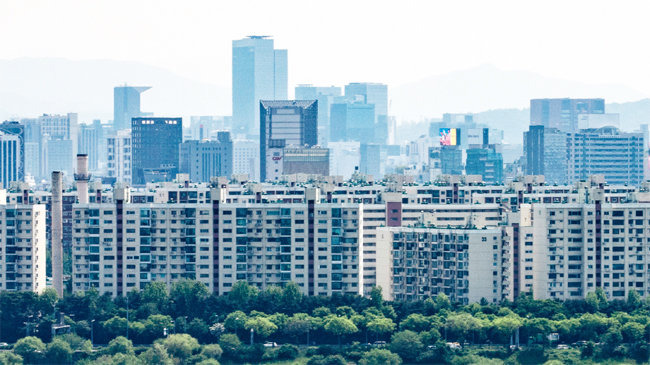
284,315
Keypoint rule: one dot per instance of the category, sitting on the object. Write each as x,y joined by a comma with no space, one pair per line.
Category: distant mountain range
515,121
32,86
487,87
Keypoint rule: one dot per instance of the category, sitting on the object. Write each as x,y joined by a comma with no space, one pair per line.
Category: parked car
270,344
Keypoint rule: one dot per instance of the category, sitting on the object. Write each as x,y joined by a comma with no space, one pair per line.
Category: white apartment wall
482,256
384,261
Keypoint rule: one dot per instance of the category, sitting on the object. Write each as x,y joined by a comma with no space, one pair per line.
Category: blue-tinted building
12,153
607,151
325,96
545,153
259,72
91,141
486,161
372,161
155,144
375,94
352,121
59,154
126,105
562,114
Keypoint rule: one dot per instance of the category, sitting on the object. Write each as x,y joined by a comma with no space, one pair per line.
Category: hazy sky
335,42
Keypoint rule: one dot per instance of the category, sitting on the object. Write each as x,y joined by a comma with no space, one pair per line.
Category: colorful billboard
449,136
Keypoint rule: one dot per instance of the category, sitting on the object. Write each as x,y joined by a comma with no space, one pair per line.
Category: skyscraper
372,160
34,154
126,105
58,142
545,153
377,95
246,155
155,148
59,154
352,121
119,156
487,161
91,142
12,152
563,113
285,123
325,96
258,72
203,160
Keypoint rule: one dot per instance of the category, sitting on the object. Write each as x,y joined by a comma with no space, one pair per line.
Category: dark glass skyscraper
155,148
285,123
545,153
259,72
126,105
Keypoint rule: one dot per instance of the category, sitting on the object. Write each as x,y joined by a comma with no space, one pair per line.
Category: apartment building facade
122,246
467,265
22,247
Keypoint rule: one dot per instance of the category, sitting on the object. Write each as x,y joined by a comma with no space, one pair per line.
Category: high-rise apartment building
285,123
259,72
459,236
119,156
464,264
563,114
616,155
123,246
155,144
126,105
22,247
325,96
203,160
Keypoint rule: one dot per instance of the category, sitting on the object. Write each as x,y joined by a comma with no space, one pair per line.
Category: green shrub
288,352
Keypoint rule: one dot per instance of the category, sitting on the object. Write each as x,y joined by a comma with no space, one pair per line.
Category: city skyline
459,182
596,59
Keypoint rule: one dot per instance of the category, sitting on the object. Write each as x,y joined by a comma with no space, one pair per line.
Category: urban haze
361,182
